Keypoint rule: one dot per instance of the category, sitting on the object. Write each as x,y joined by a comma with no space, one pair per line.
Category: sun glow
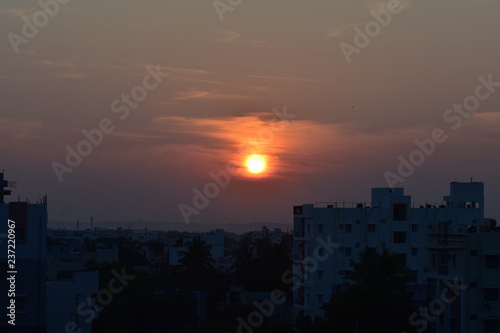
256,163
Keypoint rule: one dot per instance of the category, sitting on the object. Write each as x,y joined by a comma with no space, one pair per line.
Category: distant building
64,260
225,264
151,256
328,235
103,254
61,263
273,236
30,260
175,255
216,242
68,302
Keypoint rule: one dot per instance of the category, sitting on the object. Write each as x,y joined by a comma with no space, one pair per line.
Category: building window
382,221
414,251
320,275
433,259
3,268
399,212
473,285
341,226
357,221
299,232
414,228
491,261
320,298
371,227
348,251
20,304
321,252
399,237
453,322
442,260
473,317
473,253
20,235
432,289
348,228
382,245
491,325
490,294
357,245
320,228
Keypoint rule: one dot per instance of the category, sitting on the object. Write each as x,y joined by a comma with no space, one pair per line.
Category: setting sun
256,163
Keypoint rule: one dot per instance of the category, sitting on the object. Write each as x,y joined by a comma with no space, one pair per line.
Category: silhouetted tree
262,273
156,246
276,263
245,267
385,270
378,301
197,271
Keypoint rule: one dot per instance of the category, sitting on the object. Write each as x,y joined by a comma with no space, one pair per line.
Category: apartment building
28,265
467,258
328,235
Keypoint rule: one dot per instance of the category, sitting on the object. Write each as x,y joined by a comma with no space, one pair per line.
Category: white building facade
328,235
468,259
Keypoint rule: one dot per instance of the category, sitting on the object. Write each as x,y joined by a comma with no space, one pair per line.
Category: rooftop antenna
4,184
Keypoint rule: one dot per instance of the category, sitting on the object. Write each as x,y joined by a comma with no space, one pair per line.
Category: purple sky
347,122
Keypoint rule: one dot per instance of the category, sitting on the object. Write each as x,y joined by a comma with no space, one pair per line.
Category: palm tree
245,267
378,301
383,270
197,265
